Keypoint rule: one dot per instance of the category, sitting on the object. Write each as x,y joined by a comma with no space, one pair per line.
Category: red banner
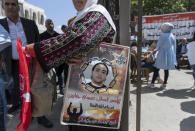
25,114
168,17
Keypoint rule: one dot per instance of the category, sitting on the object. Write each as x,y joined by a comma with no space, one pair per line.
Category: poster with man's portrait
95,88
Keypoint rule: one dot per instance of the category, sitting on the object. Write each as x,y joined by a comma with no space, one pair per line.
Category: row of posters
95,88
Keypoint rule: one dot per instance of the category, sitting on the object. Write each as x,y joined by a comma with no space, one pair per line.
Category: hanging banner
184,25
95,88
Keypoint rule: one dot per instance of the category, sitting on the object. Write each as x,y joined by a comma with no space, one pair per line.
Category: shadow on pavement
190,73
189,107
146,89
188,124
178,94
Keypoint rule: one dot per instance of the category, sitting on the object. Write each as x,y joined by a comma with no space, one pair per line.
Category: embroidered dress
85,35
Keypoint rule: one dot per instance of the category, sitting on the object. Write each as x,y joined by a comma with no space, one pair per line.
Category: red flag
25,114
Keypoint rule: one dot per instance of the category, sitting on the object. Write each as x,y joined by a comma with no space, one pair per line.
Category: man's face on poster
99,74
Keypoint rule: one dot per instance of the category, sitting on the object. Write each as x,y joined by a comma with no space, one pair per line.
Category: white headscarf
91,5
166,27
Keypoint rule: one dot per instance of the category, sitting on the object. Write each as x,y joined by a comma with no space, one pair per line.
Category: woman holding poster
92,25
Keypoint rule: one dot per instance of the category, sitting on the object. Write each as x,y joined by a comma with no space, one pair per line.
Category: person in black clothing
50,32
64,67
74,116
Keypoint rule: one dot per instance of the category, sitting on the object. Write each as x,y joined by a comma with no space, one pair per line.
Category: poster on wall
95,88
184,25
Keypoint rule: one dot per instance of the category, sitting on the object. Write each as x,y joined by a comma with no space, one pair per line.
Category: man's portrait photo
98,76
97,84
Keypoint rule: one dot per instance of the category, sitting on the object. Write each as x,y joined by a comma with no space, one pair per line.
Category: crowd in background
165,53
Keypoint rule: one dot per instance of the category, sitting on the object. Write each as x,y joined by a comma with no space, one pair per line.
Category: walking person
166,57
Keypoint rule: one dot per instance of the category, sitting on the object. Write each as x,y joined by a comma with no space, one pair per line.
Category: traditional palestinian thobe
87,33
92,26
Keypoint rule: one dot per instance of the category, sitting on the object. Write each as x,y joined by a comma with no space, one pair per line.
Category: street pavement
54,117
166,110
170,110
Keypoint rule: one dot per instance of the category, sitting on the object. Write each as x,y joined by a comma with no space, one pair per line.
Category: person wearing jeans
6,80
2,103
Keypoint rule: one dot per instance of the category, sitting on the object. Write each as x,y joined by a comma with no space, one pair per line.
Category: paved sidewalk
13,120
171,110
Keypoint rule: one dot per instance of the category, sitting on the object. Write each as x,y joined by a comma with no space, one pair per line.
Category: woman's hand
29,49
75,60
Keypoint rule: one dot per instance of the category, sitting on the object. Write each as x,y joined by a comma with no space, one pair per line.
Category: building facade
29,11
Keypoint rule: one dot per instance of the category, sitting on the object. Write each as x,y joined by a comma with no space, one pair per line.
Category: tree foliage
157,7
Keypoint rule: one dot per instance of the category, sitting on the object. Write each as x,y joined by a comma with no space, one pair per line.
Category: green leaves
157,7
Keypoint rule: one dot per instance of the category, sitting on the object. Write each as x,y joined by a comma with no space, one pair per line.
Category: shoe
45,122
152,86
13,109
163,86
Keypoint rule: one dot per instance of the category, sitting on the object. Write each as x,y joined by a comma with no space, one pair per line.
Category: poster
184,25
191,52
95,88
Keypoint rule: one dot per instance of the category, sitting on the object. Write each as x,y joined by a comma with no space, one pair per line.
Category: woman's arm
84,36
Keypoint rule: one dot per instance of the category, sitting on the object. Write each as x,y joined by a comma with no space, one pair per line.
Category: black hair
63,26
4,1
101,64
48,20
134,44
